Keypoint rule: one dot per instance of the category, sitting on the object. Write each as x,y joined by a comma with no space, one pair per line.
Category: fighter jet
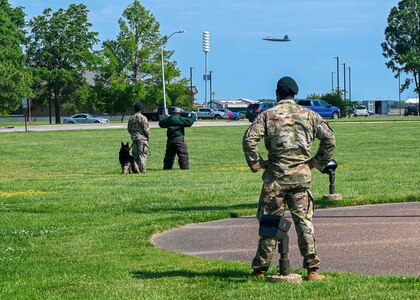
271,39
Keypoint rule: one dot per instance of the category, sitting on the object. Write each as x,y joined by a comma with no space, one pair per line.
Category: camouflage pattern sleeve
146,128
325,134
130,125
251,139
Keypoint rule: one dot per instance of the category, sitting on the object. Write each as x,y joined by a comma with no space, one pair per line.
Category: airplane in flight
271,39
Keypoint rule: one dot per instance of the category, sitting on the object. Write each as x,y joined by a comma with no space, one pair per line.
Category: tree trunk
49,111
418,93
57,107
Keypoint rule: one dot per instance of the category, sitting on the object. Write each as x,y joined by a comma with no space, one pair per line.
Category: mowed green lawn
71,226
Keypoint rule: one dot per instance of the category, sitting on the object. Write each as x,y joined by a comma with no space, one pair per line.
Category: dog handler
138,127
288,131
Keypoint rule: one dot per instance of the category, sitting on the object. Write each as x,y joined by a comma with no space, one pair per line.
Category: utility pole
211,100
399,92
349,84
191,76
344,68
338,74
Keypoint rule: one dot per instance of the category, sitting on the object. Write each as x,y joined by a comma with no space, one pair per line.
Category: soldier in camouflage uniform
138,127
288,131
175,144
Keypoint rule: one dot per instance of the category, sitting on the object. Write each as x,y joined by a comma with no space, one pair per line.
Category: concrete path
370,239
57,127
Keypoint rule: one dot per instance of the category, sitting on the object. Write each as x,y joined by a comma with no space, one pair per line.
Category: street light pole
332,81
165,40
345,92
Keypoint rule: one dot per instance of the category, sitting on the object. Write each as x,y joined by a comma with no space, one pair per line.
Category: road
370,239
111,126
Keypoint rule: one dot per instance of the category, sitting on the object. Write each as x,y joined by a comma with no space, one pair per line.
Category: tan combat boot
313,275
258,274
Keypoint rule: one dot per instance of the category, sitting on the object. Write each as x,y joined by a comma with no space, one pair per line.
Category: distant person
175,144
288,131
138,127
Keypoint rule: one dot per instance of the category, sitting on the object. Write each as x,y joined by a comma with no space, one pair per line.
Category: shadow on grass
212,208
234,275
192,208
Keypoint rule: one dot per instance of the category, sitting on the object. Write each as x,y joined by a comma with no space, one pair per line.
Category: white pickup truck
208,113
361,110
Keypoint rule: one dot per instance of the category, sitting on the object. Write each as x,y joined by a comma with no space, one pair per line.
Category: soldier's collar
286,101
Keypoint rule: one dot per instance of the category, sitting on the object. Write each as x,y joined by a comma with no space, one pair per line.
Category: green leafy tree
15,79
131,69
402,42
129,60
60,51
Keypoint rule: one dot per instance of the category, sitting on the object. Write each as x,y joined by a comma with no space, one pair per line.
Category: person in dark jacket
175,144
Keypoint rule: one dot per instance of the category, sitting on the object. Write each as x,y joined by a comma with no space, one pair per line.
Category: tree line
48,58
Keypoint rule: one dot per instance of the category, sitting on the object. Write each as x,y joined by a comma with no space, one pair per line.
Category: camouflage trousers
140,152
273,199
176,146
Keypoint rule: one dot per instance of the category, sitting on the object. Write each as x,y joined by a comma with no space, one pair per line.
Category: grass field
72,227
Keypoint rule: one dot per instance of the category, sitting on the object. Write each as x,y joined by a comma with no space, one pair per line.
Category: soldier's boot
258,274
313,275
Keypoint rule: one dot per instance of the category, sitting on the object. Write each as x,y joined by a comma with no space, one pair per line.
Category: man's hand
263,163
255,167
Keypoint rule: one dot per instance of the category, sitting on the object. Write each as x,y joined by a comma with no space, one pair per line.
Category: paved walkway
57,127
370,239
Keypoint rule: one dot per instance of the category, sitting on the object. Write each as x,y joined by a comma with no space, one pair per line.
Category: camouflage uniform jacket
288,130
138,127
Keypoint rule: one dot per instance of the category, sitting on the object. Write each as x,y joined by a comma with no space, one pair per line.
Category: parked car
323,108
84,118
236,115
410,110
361,110
227,112
232,115
208,113
254,109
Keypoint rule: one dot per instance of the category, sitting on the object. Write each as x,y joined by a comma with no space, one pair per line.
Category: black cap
138,107
288,83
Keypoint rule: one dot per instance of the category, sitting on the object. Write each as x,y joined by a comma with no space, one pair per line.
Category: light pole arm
165,40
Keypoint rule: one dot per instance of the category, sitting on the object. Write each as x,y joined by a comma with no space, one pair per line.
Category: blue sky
245,66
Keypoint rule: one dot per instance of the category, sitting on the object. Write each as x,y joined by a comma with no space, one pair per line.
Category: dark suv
410,110
254,109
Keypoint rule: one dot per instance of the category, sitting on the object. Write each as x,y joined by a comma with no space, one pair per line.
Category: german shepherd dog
128,165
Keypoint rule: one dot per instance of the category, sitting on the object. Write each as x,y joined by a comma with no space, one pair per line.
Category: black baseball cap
288,83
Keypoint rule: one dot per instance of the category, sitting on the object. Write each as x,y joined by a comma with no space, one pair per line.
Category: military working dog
128,165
